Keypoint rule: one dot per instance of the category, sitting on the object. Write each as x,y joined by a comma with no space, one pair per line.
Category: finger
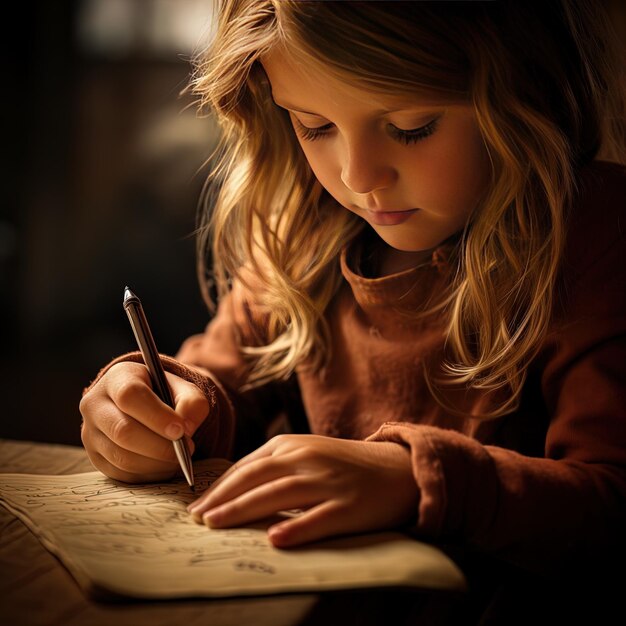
259,453
134,396
288,492
131,462
110,470
190,403
145,462
280,444
271,447
129,434
325,520
238,481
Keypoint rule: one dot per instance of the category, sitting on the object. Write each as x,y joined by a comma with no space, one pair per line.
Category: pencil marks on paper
139,540
103,520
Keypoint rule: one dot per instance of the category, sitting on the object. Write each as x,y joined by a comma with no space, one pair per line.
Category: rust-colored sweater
543,487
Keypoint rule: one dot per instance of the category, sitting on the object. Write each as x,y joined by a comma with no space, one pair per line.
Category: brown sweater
543,487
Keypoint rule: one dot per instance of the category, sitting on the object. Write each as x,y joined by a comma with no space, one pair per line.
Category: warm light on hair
267,216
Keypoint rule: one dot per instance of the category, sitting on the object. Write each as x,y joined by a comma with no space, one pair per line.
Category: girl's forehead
294,77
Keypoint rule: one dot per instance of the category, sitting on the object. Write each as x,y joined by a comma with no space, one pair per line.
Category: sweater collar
407,289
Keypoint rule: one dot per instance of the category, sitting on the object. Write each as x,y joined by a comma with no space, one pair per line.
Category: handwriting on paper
139,540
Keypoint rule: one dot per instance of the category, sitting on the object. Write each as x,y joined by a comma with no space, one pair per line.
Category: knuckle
281,441
86,404
85,435
332,475
127,391
99,462
119,459
102,463
305,453
122,431
123,368
247,472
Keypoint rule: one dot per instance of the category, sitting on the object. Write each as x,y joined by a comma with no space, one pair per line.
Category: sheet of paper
139,541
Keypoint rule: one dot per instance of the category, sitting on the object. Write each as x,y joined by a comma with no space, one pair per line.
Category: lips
389,218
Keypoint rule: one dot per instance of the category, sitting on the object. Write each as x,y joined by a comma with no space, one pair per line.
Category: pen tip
192,488
129,295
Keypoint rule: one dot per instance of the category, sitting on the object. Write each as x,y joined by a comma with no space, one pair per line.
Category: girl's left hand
342,486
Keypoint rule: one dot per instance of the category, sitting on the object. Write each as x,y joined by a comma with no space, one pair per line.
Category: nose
366,168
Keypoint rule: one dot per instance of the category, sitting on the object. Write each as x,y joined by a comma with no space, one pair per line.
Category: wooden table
35,589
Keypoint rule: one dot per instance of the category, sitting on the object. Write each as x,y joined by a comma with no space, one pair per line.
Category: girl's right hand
128,431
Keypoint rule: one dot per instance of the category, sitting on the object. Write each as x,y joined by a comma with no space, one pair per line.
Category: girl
419,262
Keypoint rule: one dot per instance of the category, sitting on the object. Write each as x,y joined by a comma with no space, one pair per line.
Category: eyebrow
297,109
293,107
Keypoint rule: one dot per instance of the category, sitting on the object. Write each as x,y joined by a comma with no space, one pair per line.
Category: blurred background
103,171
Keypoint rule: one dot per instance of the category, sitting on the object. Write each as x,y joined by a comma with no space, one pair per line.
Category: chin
410,244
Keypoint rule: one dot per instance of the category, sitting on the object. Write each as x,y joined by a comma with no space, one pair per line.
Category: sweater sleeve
258,412
548,514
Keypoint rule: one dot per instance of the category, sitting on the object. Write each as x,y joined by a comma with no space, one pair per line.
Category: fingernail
211,517
278,536
275,531
174,430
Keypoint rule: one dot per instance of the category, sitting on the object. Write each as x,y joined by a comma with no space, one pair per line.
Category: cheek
456,173
475,165
477,174
324,165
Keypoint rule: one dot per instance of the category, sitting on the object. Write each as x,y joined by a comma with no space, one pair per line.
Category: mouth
388,218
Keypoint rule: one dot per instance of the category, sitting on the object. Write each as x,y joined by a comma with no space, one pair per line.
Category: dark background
103,172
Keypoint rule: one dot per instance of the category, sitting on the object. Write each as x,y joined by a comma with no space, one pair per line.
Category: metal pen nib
184,460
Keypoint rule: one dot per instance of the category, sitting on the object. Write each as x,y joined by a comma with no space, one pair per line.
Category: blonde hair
543,110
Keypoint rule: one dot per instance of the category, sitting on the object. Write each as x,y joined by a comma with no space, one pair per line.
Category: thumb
189,402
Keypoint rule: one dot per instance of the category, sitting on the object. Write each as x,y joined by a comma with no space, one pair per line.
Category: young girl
420,264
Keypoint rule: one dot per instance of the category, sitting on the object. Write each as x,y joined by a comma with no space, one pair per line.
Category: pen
145,341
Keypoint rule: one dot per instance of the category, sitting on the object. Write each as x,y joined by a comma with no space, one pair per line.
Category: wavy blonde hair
543,109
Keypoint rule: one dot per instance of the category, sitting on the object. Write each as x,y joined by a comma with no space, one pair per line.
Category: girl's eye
311,134
415,134
403,136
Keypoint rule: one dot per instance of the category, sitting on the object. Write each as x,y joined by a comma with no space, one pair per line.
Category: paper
139,541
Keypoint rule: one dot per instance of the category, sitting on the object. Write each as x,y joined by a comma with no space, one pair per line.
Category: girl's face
413,169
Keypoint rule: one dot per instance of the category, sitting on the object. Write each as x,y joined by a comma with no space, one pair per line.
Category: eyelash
403,136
